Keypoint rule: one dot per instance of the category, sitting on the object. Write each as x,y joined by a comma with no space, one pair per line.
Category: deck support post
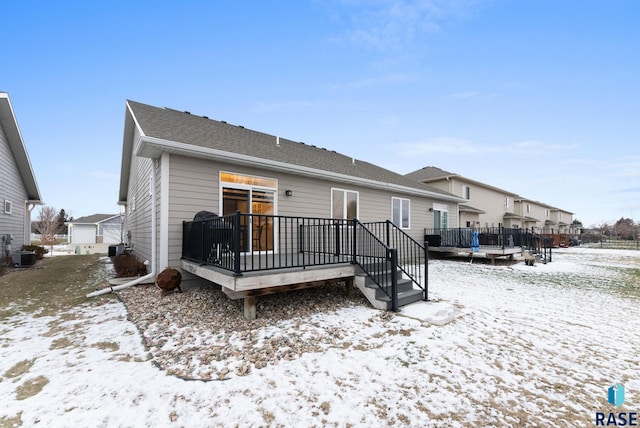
250,308
349,283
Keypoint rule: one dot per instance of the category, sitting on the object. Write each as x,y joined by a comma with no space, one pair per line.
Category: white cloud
382,80
397,25
463,147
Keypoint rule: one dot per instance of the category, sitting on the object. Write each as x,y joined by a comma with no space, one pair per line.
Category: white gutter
152,274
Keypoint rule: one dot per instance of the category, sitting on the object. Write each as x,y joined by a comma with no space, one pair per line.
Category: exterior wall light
288,192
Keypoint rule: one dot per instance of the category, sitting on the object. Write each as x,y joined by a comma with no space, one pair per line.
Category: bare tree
624,228
47,225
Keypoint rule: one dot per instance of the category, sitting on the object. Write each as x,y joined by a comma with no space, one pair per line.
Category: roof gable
93,219
14,137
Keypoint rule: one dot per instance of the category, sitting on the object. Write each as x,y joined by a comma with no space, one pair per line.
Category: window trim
401,216
344,202
466,192
8,206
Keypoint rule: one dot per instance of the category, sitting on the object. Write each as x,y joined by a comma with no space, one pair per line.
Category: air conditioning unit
24,258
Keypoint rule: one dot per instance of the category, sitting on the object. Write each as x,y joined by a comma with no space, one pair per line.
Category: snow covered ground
497,346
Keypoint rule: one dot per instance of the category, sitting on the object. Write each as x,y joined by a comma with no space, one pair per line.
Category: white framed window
506,202
8,207
344,203
466,192
528,208
400,209
546,212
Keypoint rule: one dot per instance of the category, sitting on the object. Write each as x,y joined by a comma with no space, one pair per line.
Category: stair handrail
410,252
362,236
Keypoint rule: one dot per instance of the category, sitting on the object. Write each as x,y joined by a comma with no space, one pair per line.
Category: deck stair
379,297
539,247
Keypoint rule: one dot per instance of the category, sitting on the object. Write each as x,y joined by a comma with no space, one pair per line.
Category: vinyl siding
138,212
12,189
488,200
194,186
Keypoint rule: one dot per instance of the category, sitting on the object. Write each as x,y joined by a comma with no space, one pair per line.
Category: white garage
96,229
83,234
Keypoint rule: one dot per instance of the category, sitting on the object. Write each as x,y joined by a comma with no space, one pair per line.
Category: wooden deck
268,278
252,284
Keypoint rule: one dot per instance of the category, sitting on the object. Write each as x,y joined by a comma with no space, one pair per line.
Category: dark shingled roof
92,219
183,127
428,173
470,209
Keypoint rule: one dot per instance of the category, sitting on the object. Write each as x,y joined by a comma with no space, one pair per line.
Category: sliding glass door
257,232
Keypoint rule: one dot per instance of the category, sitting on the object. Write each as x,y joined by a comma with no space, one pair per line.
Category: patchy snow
498,345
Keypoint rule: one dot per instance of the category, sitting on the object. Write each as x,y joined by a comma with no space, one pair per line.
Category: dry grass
51,286
31,387
19,368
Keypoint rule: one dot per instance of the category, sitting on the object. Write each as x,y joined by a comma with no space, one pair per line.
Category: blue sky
538,97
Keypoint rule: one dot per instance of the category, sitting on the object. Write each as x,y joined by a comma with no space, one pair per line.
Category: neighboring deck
490,242
490,252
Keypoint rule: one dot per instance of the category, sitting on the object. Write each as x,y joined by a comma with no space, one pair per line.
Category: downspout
152,274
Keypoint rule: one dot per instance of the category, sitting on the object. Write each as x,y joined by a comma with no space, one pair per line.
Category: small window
506,202
8,207
466,192
528,208
400,212
344,204
546,212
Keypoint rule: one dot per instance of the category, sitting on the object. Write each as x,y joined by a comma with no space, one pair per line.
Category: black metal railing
377,260
242,243
499,237
412,256
255,242
487,236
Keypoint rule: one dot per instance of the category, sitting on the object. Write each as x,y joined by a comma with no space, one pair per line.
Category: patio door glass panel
440,217
257,233
237,200
262,203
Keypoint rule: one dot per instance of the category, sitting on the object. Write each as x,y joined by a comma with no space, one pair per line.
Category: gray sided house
19,192
176,164
96,229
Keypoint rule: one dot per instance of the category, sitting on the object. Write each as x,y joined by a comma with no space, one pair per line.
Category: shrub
39,250
128,265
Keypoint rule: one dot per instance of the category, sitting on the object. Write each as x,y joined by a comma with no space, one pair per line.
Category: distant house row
489,206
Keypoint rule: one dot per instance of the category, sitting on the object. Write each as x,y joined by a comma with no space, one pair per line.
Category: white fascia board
152,147
19,149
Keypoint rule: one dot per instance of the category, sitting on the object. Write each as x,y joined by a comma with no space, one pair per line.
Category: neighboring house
96,229
19,192
484,206
489,206
175,164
